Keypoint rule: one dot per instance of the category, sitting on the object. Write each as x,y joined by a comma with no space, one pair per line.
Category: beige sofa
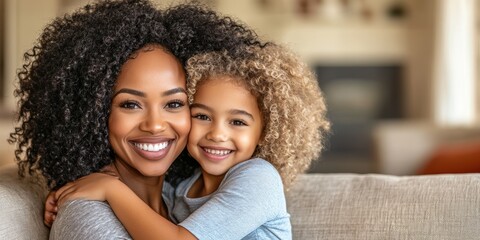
322,206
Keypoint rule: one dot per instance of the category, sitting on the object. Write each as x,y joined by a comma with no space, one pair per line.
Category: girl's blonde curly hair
287,94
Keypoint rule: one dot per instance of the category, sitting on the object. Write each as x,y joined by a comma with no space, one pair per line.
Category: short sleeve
250,195
82,220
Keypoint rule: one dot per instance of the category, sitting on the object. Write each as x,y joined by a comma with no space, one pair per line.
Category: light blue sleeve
251,195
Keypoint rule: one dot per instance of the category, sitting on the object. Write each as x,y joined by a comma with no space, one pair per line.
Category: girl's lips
151,150
216,154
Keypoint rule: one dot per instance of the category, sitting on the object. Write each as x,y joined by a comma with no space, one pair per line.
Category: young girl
263,105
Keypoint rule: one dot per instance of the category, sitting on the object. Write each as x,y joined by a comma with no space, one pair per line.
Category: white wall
24,21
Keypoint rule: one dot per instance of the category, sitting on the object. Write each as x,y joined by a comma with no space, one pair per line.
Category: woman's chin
153,171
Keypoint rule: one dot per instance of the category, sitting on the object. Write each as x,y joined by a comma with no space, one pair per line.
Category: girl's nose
217,133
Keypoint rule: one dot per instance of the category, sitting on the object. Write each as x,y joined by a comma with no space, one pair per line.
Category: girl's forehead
219,79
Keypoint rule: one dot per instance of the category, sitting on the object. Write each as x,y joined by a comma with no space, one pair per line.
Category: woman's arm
137,217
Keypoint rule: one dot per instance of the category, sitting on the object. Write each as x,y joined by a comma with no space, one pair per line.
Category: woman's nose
153,122
217,133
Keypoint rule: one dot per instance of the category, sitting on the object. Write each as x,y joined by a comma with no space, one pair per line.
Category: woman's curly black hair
66,83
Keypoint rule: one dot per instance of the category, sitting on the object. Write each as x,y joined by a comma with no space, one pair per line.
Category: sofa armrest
372,206
21,206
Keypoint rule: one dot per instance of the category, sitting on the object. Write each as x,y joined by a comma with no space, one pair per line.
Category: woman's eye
201,117
130,105
239,123
175,104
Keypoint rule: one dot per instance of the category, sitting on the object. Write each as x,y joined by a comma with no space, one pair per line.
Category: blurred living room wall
378,62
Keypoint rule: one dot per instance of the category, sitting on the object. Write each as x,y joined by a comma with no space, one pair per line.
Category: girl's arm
250,196
138,218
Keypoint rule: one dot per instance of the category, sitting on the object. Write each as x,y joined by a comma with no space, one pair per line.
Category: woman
65,99
237,108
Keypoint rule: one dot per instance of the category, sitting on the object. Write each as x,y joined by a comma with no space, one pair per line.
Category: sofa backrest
21,206
322,206
351,206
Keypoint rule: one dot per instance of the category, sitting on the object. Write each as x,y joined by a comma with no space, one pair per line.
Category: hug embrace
165,124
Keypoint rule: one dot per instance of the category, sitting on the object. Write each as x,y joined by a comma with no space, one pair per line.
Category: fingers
48,218
55,199
51,203
50,209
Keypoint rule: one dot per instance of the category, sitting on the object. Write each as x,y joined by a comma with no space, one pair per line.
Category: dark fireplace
357,97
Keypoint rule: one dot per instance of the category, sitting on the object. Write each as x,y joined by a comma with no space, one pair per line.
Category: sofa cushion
350,206
21,211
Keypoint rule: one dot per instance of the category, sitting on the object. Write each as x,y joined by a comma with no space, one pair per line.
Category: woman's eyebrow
174,91
142,94
130,91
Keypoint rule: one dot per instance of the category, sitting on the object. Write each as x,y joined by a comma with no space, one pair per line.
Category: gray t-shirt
248,204
86,220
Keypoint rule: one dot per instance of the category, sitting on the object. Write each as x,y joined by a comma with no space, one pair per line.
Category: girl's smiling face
150,119
226,125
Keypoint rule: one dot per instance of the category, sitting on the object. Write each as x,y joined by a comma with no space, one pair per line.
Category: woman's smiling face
150,119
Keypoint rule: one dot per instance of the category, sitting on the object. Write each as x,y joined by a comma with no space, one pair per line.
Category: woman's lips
151,147
152,151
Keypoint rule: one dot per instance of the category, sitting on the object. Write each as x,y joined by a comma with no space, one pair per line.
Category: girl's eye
130,105
202,117
175,104
239,123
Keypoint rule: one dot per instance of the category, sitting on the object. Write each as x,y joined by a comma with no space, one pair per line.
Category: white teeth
151,147
217,152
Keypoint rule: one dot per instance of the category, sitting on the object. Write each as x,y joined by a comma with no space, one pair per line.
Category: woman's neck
205,185
149,189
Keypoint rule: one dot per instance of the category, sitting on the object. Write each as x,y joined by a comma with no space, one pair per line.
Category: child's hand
91,187
50,209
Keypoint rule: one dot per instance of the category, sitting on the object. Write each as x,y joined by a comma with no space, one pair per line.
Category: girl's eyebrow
232,111
241,112
142,94
202,106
